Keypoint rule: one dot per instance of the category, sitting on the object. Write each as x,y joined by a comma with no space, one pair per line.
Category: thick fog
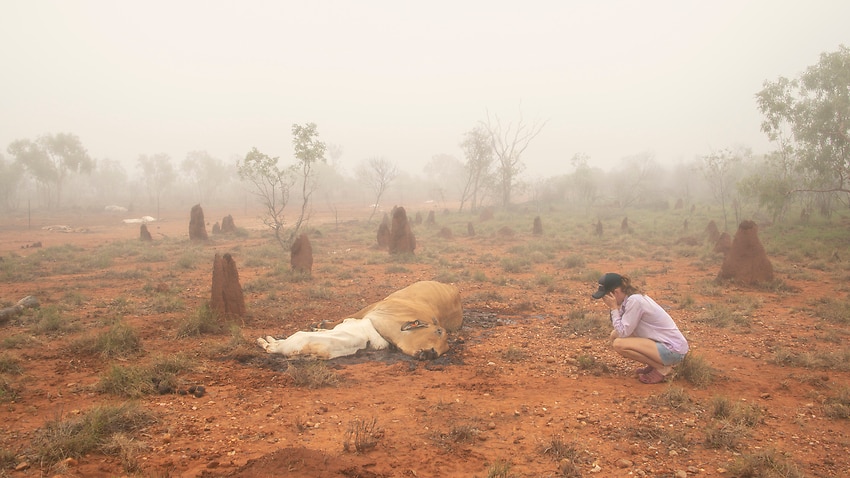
403,80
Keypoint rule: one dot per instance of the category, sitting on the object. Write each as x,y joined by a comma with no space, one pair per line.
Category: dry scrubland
123,371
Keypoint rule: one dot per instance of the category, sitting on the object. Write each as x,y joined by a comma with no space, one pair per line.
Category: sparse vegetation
312,374
93,431
764,464
362,435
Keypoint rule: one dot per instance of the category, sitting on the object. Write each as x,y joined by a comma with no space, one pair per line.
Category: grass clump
203,321
120,340
49,320
8,393
139,380
10,364
580,323
362,435
765,464
838,406
695,370
833,311
731,422
312,374
566,454
91,432
514,354
499,469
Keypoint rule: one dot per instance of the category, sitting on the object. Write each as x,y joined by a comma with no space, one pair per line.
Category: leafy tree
377,173
271,185
11,173
809,120
508,145
308,151
207,173
158,175
478,151
51,158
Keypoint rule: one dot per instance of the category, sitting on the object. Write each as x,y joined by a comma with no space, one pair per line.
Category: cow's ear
413,324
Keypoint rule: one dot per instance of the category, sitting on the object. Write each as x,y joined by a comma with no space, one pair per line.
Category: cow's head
422,340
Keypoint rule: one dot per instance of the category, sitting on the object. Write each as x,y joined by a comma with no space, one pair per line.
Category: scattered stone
623,463
144,234
301,255
22,466
445,233
681,474
506,231
227,299
197,227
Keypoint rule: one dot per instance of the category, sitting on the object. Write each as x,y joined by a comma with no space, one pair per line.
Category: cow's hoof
429,354
263,343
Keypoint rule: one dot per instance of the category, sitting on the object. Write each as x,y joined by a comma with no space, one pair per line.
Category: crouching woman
643,330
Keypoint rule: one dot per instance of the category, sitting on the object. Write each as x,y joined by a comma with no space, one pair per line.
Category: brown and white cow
416,320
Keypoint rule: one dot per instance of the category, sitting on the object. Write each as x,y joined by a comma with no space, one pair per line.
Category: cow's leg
268,343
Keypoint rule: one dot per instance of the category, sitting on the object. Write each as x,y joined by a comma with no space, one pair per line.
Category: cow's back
424,300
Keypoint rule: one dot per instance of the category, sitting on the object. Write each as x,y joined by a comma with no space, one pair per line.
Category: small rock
22,466
681,474
70,462
623,463
596,469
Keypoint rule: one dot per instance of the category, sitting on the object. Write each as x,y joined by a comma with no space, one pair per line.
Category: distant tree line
807,118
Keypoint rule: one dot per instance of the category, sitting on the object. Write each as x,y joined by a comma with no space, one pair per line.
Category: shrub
91,432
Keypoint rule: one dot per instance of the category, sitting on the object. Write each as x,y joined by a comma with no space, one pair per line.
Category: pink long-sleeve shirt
640,316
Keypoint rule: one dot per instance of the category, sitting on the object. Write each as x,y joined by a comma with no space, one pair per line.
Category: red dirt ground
454,417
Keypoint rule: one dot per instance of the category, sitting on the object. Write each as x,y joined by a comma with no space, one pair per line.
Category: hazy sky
403,80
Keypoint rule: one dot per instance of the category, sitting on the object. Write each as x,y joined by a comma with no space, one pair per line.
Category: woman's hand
610,300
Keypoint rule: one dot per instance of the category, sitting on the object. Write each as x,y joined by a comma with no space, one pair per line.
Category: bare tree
633,184
271,185
377,173
508,144
478,151
718,168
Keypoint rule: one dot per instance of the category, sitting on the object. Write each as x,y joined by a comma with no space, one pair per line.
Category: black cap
607,283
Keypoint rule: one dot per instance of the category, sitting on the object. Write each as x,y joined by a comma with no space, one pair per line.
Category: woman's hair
628,288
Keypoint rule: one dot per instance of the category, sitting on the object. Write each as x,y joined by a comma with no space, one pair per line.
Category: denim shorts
668,357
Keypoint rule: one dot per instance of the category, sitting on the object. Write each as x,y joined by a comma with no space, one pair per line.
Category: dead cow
416,320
